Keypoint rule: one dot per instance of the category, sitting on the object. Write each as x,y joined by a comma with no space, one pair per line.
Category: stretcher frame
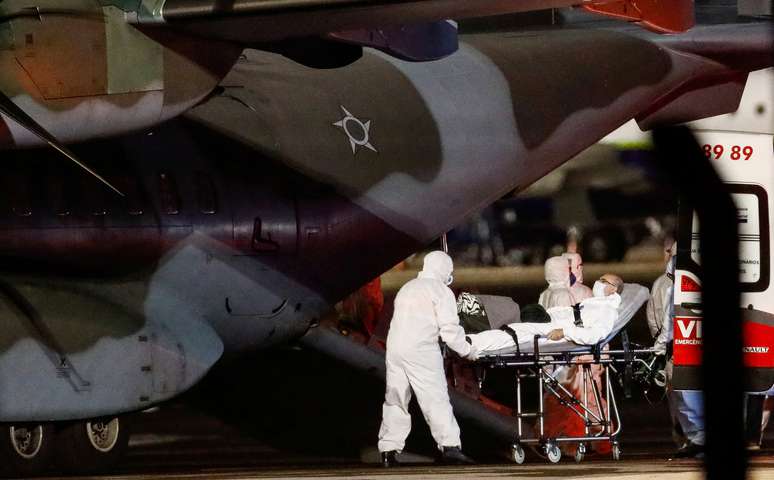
600,424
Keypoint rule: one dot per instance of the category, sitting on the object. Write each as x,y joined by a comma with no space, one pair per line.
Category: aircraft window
205,190
170,198
750,244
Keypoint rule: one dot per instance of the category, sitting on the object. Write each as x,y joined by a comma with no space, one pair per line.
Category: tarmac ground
634,470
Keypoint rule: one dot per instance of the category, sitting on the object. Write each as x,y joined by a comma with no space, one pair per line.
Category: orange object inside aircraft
661,16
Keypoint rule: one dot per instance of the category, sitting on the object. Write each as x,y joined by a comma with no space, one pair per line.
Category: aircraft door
265,233
266,225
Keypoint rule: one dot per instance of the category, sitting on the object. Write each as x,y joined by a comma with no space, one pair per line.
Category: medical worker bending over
425,309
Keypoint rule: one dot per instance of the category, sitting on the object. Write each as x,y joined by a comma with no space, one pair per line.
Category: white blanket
499,342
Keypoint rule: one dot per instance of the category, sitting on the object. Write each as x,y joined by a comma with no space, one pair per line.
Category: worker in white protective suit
657,309
425,310
557,272
685,419
578,290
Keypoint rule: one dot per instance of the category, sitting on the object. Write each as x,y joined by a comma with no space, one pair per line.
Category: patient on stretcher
586,323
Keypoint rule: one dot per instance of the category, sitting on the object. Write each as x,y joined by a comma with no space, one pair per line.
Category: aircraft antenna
20,116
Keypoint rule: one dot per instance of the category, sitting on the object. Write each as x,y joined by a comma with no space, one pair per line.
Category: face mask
573,279
599,289
449,279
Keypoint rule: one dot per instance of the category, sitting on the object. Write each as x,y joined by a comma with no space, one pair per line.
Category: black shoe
390,459
454,456
690,450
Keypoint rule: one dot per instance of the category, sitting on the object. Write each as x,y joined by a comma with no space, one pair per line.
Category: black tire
92,446
26,450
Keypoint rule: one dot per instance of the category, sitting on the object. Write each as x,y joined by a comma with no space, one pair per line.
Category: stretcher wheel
517,454
553,452
580,452
616,451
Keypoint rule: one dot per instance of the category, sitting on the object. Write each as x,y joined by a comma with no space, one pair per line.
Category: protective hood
673,249
557,272
437,265
575,265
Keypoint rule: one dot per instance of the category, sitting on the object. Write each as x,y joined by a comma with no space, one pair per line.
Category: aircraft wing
256,21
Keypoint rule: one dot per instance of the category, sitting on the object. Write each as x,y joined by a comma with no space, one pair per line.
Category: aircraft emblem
356,130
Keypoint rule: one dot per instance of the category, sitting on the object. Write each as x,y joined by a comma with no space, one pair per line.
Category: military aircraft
241,223
78,69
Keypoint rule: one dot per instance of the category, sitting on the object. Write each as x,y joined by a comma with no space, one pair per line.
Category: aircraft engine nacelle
82,72
66,352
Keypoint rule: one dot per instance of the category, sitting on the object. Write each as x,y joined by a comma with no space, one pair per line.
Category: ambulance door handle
691,306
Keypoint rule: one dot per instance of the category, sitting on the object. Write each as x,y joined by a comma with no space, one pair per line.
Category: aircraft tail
741,46
736,48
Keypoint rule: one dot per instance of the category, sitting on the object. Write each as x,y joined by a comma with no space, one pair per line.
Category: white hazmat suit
425,309
557,272
597,313
658,309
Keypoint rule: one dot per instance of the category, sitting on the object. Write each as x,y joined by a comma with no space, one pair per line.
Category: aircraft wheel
92,445
517,454
25,449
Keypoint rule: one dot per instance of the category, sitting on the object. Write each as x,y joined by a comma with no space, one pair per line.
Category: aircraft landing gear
92,445
29,449
26,449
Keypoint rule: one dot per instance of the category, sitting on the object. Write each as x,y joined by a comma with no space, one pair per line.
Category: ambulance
741,148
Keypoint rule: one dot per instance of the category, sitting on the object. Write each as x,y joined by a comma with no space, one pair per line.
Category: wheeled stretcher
540,359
